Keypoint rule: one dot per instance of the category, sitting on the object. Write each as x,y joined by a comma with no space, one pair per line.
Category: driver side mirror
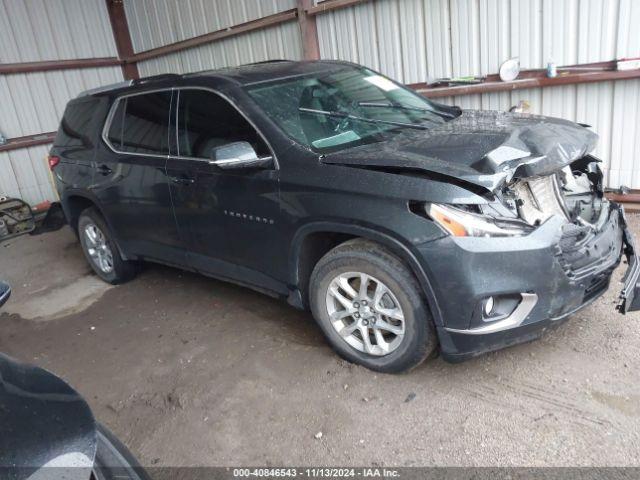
239,155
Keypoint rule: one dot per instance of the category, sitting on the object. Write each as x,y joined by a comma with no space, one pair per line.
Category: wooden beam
28,141
250,26
329,5
308,31
630,197
122,37
532,79
30,67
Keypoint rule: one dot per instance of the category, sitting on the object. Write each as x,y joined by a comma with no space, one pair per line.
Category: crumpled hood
484,148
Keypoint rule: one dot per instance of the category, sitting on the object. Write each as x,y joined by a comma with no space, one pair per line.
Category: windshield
345,107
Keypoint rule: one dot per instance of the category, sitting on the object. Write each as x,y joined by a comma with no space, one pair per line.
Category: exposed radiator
539,198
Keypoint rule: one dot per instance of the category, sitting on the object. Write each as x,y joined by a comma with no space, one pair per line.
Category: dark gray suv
406,226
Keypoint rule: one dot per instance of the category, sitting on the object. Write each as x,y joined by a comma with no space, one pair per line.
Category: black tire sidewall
419,338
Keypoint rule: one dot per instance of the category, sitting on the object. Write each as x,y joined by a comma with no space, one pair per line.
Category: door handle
182,180
104,170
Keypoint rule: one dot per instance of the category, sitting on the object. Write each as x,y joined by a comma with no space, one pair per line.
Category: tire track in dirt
551,400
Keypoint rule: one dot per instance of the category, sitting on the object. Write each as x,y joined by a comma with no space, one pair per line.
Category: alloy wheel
97,248
365,313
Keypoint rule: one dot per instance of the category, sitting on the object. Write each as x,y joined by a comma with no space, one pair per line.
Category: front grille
587,255
573,252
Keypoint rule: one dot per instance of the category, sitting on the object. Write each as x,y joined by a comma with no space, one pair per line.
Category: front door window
206,121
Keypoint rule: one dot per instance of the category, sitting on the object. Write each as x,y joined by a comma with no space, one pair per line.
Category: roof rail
105,88
156,78
129,83
275,60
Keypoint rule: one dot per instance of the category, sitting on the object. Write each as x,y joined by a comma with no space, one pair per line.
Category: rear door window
140,124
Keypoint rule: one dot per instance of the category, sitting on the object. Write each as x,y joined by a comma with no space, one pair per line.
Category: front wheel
370,307
101,250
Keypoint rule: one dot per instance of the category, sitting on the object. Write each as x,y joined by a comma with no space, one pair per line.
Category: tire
408,333
101,252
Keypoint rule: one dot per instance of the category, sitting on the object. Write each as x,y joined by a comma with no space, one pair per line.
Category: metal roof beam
49,65
122,37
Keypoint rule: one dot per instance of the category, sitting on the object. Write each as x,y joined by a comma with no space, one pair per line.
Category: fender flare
394,244
94,201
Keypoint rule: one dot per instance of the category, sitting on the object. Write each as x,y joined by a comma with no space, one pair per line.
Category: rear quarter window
78,125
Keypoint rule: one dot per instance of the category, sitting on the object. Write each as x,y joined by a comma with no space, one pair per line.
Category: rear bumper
555,273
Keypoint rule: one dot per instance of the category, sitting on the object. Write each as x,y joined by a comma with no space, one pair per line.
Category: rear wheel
101,250
370,307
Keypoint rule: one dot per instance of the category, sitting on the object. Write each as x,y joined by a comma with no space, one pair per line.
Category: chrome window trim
114,106
109,119
175,124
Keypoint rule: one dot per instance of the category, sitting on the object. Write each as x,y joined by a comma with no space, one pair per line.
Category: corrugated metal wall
281,41
154,23
413,40
35,30
39,30
34,102
24,174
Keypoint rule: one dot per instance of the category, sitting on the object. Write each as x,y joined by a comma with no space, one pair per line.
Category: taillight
53,161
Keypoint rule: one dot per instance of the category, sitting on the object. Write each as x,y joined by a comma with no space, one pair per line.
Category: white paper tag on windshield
381,82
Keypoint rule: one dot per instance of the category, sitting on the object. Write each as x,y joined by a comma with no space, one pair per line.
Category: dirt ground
190,371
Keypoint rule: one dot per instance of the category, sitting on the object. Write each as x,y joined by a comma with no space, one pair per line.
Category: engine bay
574,193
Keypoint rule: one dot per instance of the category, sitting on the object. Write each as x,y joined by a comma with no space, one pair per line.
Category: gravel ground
189,371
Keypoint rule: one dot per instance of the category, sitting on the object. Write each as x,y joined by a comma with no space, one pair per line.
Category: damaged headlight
464,223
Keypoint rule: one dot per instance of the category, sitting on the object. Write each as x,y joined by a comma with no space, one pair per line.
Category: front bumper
558,269
630,294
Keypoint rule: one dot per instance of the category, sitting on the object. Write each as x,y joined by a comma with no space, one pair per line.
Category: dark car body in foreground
47,431
401,223
5,292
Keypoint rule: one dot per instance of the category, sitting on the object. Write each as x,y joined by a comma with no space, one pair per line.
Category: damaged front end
539,250
593,233
535,220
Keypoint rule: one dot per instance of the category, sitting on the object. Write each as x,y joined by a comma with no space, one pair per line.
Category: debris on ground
410,397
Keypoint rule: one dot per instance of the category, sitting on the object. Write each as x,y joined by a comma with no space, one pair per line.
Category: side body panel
318,198
133,193
76,142
230,221
228,218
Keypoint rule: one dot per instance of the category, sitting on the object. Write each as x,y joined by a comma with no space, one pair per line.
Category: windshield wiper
399,106
361,119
